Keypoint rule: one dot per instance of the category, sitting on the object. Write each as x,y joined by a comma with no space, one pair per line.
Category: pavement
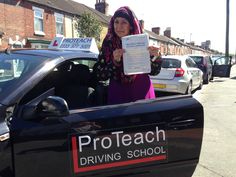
218,153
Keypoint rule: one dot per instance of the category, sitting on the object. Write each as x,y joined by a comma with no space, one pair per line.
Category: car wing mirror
51,106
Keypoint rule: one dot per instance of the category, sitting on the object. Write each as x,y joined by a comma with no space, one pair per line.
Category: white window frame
60,16
41,11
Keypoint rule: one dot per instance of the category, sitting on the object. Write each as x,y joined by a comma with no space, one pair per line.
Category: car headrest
80,74
65,67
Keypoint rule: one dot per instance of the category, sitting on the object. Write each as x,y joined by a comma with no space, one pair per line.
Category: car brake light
179,72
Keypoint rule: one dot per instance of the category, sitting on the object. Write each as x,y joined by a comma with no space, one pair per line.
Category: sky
195,20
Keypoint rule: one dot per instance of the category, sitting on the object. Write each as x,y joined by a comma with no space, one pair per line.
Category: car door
133,139
222,67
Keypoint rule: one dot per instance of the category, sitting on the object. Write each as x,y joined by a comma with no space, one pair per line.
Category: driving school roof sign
83,44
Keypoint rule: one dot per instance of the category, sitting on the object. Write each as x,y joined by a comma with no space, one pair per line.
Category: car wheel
212,77
189,88
206,81
200,86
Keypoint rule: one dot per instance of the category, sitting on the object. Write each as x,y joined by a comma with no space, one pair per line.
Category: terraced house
34,23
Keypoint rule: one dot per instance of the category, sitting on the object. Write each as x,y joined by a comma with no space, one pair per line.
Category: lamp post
227,30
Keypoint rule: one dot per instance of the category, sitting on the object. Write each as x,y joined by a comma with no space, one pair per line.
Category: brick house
167,45
34,23
175,46
17,19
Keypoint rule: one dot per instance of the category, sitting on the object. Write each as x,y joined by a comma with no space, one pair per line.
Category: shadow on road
233,77
218,80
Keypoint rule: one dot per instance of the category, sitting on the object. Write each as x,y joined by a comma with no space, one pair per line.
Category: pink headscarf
128,14
112,41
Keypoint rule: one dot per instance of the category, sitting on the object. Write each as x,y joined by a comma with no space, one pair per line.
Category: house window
38,21
59,18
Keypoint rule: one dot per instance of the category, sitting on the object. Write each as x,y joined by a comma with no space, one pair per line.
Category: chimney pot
102,6
156,30
167,32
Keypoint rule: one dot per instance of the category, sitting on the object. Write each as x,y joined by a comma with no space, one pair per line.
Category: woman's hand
117,54
154,51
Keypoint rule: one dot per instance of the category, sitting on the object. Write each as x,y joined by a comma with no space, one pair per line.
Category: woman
124,88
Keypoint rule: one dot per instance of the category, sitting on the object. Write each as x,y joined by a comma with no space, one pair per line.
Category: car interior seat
101,88
76,90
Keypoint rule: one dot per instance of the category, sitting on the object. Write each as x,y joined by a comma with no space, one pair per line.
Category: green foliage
88,26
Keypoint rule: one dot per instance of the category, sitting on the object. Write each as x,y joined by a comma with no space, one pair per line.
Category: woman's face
121,27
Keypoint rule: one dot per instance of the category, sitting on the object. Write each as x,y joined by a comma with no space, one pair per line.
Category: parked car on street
179,74
51,124
204,63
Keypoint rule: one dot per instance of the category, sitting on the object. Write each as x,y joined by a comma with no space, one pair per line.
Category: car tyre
189,88
200,86
206,81
212,77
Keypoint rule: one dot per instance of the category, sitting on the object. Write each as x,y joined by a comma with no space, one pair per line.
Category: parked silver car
179,74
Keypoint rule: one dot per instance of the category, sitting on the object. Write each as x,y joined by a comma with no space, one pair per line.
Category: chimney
156,30
102,6
167,32
192,43
141,22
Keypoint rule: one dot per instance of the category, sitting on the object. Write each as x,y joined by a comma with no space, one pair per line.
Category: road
218,153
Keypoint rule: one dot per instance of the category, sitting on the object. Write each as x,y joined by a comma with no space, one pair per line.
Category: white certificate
136,58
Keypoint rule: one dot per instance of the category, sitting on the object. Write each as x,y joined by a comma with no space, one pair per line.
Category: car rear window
171,63
197,59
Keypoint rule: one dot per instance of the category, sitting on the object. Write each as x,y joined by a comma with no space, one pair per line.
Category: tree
88,26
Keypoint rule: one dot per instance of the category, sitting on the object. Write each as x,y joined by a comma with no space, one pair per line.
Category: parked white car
179,74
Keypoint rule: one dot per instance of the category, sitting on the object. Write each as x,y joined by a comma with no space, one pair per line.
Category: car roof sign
82,44
55,43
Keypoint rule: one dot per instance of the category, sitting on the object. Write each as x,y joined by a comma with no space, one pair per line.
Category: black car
54,122
204,63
